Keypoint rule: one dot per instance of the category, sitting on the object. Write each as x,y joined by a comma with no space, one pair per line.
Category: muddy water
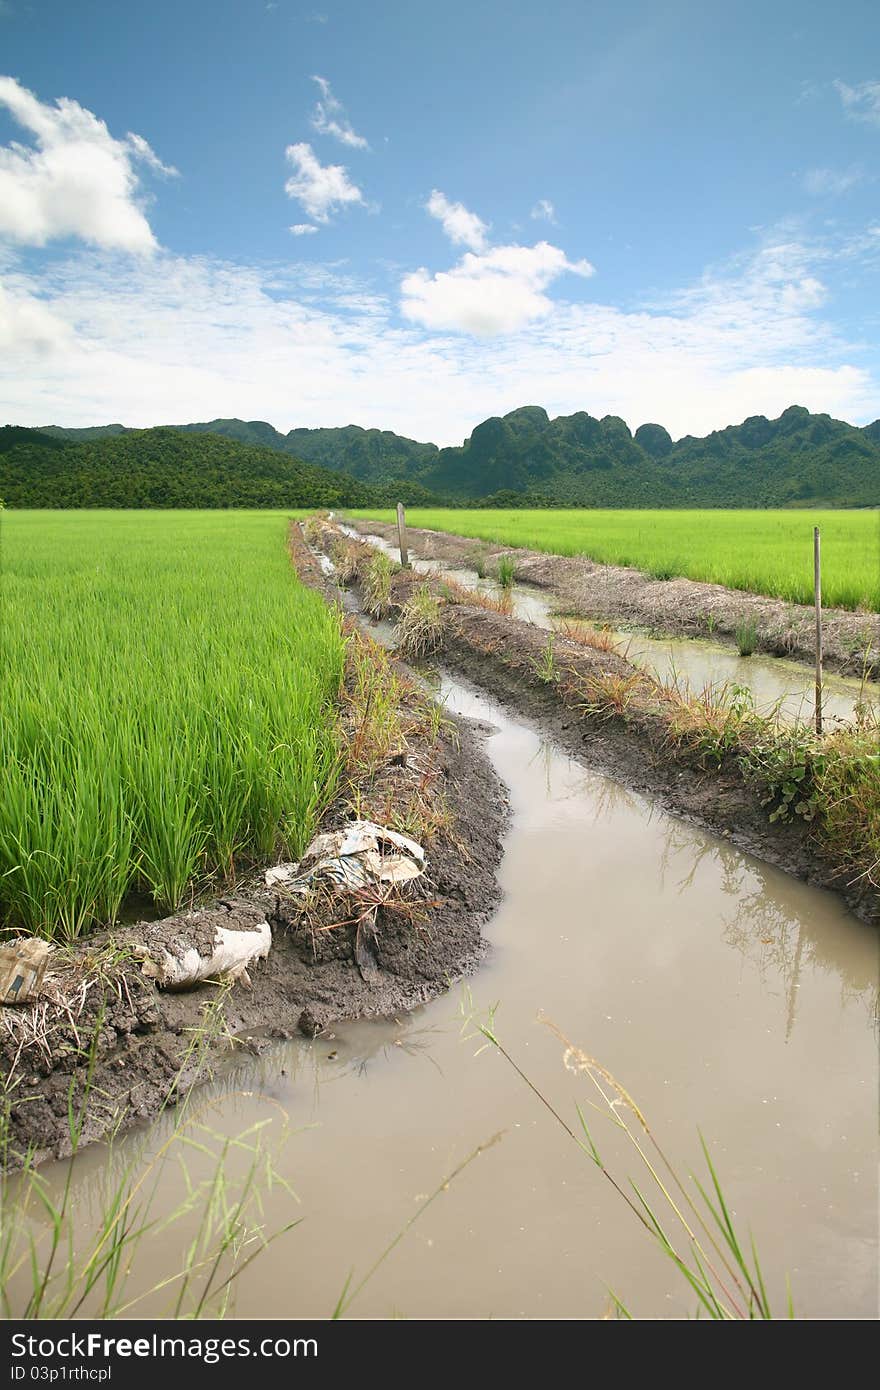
773,682
721,992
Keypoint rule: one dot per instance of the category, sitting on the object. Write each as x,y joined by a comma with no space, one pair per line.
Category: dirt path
610,593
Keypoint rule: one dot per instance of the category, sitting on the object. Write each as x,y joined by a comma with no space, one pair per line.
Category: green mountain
373,456
576,460
164,468
526,459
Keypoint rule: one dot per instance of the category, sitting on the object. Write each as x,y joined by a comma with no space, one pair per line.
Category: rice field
763,552
167,696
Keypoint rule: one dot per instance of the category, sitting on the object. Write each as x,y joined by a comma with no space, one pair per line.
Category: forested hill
578,460
374,456
526,458
164,468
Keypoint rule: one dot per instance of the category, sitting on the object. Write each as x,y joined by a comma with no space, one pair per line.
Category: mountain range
520,459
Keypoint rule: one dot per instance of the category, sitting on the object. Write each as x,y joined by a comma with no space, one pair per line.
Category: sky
413,216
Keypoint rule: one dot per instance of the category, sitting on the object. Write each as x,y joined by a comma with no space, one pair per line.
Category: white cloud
76,180
462,227
544,211
861,102
304,229
329,118
28,327
96,337
320,188
831,183
141,150
498,291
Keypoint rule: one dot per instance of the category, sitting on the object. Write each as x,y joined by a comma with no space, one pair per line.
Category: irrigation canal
723,994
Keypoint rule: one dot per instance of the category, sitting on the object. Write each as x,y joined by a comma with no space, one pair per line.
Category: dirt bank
683,607
617,718
101,1028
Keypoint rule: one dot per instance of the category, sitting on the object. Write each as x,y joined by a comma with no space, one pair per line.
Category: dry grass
420,626
598,639
848,790
376,576
76,986
610,695
345,559
459,593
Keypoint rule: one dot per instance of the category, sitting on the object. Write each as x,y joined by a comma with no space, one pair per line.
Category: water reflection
691,663
776,923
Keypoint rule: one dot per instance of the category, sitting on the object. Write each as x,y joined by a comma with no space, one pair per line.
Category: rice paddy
763,552
168,690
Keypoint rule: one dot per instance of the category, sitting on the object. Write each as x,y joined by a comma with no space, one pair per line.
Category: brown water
772,681
720,991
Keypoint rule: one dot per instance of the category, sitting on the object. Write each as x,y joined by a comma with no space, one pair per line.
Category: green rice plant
746,633
760,551
169,692
376,584
419,629
480,563
506,571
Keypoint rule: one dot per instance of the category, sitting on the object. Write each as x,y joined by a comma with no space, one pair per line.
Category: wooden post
817,592
401,535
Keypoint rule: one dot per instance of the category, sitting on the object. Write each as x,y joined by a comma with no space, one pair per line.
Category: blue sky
665,211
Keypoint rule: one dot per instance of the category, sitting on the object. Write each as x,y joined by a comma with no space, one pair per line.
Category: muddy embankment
675,607
618,719
103,1033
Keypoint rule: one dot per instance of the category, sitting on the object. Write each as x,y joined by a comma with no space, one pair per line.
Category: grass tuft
746,634
420,626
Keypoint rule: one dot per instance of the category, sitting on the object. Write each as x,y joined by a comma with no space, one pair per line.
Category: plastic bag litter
185,965
361,854
22,967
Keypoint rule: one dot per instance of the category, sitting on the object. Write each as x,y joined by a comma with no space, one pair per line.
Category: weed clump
746,636
420,626
506,571
376,584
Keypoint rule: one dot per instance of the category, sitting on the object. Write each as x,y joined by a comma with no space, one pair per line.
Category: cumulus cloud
304,229
329,118
861,102
544,211
320,188
464,228
75,180
497,291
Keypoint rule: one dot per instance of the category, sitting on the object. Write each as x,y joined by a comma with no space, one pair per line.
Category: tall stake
817,590
401,535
